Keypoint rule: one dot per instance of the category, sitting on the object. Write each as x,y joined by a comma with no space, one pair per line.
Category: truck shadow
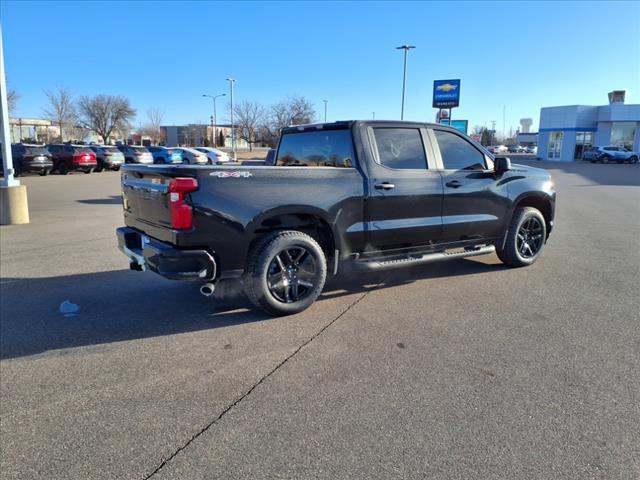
119,305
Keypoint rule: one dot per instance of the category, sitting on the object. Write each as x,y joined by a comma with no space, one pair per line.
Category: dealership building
566,132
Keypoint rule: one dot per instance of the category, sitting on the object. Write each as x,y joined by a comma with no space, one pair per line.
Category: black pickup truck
352,195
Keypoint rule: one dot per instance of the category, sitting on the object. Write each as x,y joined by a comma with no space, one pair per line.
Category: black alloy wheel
529,239
286,272
292,275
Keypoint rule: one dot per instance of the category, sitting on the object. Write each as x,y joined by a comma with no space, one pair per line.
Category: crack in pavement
262,379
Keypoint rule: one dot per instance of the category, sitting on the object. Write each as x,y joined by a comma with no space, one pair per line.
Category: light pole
406,48
325,110
215,120
233,130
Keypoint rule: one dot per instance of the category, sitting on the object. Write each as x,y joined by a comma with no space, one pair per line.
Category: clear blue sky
166,54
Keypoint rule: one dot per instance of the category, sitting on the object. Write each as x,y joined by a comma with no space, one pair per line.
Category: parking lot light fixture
215,120
406,48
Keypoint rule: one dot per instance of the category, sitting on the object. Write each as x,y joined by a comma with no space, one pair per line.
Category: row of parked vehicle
66,157
496,149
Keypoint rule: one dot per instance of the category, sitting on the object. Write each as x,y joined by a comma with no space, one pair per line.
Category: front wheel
286,272
526,238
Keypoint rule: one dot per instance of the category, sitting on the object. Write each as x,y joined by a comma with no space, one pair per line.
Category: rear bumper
164,259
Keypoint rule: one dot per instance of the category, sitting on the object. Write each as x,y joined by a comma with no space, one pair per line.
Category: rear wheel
604,159
633,159
44,173
286,272
89,171
62,169
526,238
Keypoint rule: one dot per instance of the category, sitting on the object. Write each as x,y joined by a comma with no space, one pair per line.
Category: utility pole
504,128
325,110
213,133
13,196
215,120
406,48
233,130
493,130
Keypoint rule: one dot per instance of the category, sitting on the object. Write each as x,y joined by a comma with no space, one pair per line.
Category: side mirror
502,164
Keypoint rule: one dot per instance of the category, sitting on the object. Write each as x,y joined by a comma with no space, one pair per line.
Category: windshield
35,151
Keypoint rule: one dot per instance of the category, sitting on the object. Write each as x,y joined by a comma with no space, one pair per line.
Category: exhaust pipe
207,289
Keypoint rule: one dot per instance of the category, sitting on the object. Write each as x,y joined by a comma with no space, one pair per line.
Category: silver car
192,156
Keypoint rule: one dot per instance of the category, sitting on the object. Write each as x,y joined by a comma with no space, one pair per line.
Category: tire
604,159
633,159
286,272
44,172
62,169
529,223
89,171
116,169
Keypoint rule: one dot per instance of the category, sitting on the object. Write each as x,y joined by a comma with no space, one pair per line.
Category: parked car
214,155
610,154
497,149
108,157
271,157
135,154
516,149
262,224
69,158
165,155
29,158
531,149
193,156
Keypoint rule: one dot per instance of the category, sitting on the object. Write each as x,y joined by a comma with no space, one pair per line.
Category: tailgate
145,198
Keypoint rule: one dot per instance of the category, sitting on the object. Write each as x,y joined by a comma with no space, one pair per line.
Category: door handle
384,186
453,184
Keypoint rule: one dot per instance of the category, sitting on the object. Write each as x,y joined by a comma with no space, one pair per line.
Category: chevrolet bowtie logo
446,87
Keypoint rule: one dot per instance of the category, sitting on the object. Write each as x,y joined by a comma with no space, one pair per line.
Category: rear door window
400,148
457,153
323,148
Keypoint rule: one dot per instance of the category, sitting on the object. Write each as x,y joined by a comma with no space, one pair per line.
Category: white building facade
566,132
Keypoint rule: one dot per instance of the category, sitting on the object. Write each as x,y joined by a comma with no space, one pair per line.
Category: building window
555,145
623,134
584,140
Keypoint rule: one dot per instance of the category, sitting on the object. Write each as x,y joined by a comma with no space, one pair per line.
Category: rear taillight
181,212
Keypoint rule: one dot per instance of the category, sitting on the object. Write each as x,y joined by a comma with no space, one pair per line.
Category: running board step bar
375,265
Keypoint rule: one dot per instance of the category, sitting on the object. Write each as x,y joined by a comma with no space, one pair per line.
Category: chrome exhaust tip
207,289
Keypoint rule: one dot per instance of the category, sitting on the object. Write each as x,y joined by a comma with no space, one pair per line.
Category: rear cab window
399,148
318,148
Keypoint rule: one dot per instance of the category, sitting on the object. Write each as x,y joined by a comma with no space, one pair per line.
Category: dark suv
29,158
68,158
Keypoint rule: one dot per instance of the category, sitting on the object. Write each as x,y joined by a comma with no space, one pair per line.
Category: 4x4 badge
231,174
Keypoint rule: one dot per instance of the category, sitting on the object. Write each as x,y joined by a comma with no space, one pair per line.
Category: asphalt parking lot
464,369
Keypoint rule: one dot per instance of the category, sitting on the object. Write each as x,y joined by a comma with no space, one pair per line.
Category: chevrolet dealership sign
446,93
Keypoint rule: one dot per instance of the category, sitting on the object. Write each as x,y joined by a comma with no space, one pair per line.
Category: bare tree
152,127
12,100
290,111
250,116
105,114
61,109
